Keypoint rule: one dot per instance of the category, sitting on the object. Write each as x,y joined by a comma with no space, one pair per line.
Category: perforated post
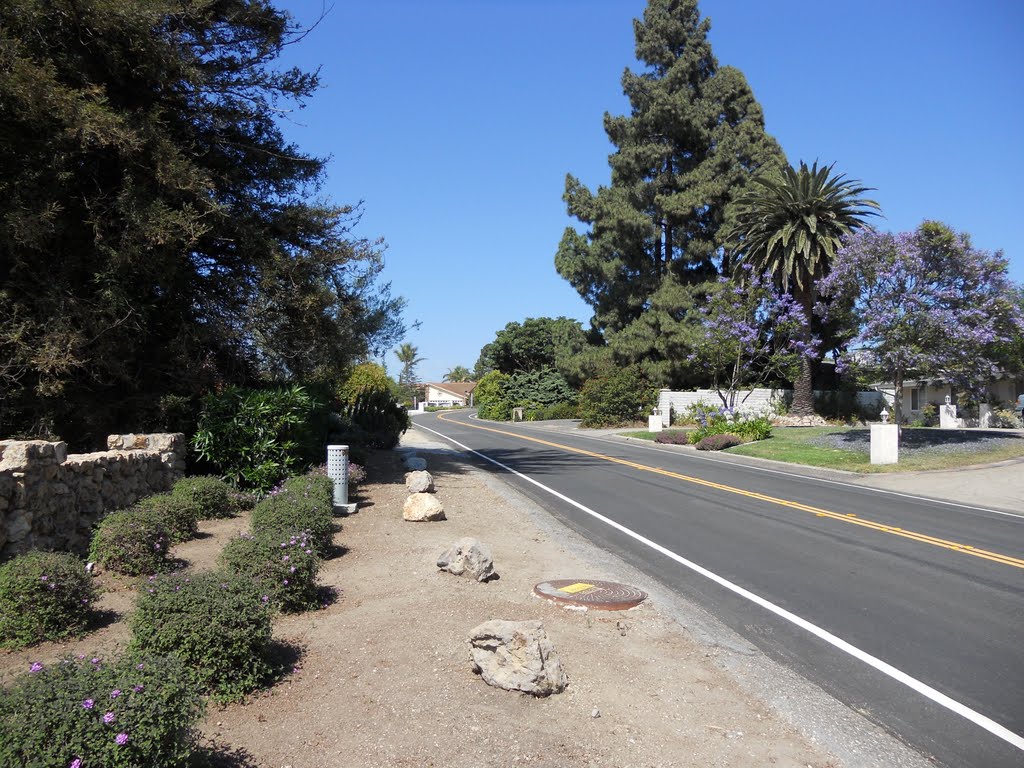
337,470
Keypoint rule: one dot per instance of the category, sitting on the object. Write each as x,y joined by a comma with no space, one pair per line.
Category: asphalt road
908,611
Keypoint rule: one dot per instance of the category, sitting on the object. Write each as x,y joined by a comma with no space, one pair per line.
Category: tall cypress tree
694,136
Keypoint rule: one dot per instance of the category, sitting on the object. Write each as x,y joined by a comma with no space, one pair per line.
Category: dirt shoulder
384,679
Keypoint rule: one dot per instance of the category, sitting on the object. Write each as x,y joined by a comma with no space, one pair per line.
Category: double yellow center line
851,519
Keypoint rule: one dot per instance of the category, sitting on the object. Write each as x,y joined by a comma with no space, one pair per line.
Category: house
450,393
918,392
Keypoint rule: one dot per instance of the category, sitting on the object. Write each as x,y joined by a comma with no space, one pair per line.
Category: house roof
457,388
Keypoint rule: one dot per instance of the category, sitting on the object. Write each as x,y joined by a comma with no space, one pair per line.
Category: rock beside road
517,656
422,507
468,557
419,481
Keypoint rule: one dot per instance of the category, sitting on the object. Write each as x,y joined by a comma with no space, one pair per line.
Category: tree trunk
803,390
803,387
897,400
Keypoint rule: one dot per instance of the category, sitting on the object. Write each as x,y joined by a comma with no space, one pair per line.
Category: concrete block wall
51,500
756,402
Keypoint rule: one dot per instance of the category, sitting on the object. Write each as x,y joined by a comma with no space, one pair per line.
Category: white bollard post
885,442
337,470
654,423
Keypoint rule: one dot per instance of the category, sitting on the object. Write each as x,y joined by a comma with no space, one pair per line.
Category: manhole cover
600,595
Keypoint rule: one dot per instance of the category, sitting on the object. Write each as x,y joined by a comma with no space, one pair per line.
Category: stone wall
750,403
51,500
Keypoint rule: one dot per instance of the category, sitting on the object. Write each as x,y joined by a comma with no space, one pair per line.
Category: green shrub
44,596
299,506
1004,418
695,413
759,428
217,624
285,568
490,397
254,437
134,542
179,515
618,398
210,497
128,714
672,437
374,419
556,411
719,442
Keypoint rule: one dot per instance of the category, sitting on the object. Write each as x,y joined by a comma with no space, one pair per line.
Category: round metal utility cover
600,595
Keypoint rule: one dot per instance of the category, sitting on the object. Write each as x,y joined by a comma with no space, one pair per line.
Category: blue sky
455,121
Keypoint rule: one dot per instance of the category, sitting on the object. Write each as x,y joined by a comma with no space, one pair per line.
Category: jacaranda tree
929,303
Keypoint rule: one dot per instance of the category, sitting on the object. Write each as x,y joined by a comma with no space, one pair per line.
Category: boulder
422,507
516,656
467,557
420,481
414,463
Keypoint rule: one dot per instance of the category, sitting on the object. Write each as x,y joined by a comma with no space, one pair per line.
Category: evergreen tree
158,234
694,136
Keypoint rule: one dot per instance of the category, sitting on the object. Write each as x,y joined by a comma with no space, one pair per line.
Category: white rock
517,656
422,507
467,557
420,481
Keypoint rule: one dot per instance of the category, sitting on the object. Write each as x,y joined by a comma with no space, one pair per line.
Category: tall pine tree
693,138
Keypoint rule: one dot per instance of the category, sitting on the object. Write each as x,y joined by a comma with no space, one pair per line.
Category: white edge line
886,669
784,473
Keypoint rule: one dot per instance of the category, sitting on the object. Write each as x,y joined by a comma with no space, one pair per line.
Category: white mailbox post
654,423
337,470
885,442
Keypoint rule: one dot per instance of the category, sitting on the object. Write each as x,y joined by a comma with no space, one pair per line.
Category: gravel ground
924,441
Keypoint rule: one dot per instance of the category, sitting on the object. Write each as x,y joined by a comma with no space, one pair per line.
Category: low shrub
178,514
719,442
78,712
749,430
672,437
211,498
753,429
1004,418
620,397
133,542
356,475
285,568
301,505
218,625
556,411
44,596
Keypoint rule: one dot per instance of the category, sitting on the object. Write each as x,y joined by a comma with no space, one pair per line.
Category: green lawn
643,434
849,448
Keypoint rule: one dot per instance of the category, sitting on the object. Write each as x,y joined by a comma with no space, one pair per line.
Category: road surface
907,610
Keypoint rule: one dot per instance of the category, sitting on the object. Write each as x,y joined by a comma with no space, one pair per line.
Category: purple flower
76,763
88,704
36,667
122,738
43,578
138,688
115,693
109,717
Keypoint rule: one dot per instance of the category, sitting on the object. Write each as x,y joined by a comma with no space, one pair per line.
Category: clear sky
455,121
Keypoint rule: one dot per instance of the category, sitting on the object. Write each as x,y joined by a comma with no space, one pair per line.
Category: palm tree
458,373
790,226
408,356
